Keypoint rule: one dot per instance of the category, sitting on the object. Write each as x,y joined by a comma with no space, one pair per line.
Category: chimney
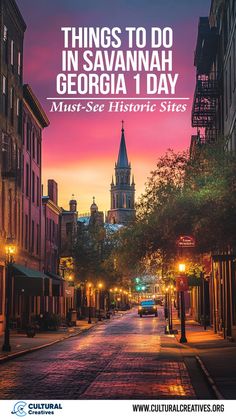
52,191
73,204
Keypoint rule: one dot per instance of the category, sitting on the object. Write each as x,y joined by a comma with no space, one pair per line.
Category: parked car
147,307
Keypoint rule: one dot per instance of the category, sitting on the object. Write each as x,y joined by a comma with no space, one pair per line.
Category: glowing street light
183,339
100,286
90,294
10,252
182,267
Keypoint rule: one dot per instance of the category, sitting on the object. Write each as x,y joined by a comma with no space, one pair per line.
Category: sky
80,149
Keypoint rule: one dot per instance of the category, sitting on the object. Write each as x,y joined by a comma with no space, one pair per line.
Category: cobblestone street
126,358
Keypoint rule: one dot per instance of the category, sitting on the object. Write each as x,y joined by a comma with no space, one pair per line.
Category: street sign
182,283
186,241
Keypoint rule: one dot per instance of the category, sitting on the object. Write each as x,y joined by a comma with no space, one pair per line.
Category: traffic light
140,287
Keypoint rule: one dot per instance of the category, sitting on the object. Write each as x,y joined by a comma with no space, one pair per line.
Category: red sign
182,283
186,241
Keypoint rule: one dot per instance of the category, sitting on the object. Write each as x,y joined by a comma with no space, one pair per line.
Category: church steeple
122,190
122,161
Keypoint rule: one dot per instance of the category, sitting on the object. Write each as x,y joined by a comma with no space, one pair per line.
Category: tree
183,196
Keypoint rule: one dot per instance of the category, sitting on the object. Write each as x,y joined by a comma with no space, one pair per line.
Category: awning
57,284
28,281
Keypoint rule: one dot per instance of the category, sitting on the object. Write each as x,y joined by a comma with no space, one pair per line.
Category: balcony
205,102
9,173
206,48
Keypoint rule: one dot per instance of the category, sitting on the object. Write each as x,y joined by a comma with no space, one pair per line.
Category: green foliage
183,196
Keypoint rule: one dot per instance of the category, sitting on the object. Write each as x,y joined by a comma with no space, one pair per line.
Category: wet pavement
126,358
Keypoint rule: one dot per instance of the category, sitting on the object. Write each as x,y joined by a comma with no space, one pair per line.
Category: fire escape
205,102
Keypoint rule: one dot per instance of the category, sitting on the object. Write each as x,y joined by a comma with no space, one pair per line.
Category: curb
209,379
45,345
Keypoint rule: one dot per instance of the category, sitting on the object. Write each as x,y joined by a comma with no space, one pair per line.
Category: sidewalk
21,344
216,356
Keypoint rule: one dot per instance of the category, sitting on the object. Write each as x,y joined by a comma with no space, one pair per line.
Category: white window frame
12,52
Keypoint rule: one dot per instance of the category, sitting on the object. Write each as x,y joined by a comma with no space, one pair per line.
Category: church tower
122,189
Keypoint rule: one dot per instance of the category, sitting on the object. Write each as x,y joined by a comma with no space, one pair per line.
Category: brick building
214,116
11,92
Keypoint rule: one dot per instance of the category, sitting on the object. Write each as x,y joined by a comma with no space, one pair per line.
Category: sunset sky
79,149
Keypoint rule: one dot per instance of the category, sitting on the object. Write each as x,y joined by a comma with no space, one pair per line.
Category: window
18,114
12,105
5,44
18,158
33,145
69,228
27,179
38,151
38,192
37,239
26,231
32,237
4,95
19,63
124,200
23,173
33,186
12,52
28,137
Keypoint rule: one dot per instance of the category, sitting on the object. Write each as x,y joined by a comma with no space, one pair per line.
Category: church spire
122,161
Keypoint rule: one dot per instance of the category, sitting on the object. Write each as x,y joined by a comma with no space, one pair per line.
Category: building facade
11,92
122,190
214,116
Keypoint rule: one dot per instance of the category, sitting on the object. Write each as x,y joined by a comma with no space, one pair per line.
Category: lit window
19,64
11,97
12,52
5,33
4,85
17,106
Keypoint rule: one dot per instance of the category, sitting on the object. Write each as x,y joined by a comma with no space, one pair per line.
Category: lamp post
183,338
170,310
166,310
10,252
203,300
89,313
100,285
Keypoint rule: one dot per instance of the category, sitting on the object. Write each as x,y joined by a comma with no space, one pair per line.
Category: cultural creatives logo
18,409
22,408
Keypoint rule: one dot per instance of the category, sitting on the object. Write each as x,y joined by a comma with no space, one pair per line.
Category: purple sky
79,150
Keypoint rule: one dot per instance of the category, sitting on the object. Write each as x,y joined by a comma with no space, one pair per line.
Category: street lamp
166,310
170,309
100,286
89,318
183,339
182,267
10,252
